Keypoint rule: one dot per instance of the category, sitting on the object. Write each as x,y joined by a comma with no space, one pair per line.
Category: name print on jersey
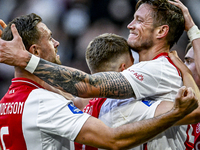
11,108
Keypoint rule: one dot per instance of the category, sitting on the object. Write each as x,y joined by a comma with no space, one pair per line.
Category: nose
131,25
56,43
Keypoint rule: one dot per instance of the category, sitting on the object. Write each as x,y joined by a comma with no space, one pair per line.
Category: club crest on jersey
74,109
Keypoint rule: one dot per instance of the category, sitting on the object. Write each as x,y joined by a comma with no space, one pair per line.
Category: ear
162,31
122,67
34,49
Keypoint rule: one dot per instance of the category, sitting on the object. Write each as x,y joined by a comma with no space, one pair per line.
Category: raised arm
193,32
96,134
76,82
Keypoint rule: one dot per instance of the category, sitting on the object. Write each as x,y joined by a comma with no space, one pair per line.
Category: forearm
188,81
126,136
148,129
196,48
193,117
76,82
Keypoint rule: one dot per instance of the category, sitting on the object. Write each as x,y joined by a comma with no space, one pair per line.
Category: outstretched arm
133,134
76,82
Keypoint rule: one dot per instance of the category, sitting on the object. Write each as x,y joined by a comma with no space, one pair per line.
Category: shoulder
47,96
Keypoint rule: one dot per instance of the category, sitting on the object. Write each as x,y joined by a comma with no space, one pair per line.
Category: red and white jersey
93,109
32,118
115,113
157,79
152,81
196,136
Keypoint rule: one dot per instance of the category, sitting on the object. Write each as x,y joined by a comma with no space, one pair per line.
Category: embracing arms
97,134
76,82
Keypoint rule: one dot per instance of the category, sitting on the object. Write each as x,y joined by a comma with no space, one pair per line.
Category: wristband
32,64
193,33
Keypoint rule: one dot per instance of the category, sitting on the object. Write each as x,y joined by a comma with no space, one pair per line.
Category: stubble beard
143,46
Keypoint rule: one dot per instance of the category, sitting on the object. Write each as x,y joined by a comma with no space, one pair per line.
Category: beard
139,46
57,61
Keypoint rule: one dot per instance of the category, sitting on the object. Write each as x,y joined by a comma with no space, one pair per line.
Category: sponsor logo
74,109
137,75
148,102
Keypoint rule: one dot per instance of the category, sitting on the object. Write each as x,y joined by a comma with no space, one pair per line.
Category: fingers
177,3
186,92
178,62
173,53
188,19
174,57
3,24
181,92
190,93
14,31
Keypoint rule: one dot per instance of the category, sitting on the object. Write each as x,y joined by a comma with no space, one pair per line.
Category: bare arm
133,134
76,82
189,23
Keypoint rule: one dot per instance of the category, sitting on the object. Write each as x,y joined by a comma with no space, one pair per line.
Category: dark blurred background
76,22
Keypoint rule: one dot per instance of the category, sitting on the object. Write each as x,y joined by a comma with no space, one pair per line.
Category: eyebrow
186,58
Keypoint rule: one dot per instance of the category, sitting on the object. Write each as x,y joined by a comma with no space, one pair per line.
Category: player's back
19,113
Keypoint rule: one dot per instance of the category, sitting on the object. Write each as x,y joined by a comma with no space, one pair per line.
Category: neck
19,72
149,54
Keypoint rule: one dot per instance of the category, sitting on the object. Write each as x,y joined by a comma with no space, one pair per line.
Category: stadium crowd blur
75,22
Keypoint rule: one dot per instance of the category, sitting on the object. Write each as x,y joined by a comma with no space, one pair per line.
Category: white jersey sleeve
51,115
155,79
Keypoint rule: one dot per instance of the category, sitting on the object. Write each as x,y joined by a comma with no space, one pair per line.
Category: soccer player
41,119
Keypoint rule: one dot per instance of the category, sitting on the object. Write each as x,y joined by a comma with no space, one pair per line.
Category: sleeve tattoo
76,82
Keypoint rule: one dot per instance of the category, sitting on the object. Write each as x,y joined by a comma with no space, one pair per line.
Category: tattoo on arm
76,82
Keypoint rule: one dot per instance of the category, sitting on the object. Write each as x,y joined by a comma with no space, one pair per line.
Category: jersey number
4,130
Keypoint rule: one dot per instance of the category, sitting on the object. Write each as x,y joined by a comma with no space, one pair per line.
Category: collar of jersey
26,81
161,54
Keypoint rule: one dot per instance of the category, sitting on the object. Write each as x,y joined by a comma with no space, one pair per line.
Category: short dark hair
26,26
104,50
165,13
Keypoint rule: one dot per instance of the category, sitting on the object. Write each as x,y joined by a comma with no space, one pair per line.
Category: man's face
190,63
141,29
47,44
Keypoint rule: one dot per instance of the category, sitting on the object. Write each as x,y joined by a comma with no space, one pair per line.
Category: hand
178,62
189,23
3,24
11,52
185,101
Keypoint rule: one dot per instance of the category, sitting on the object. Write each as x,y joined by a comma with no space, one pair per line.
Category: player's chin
58,62
131,42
